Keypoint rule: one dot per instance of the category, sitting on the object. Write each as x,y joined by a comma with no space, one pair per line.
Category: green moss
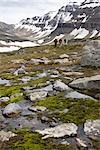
26,140
79,109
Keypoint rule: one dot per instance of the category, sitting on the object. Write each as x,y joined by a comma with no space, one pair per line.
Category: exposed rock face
92,128
12,109
91,55
5,136
88,83
69,129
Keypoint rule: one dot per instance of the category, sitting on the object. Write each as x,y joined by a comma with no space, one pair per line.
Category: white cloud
12,11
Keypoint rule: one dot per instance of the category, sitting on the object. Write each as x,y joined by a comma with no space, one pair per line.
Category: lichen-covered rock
91,55
66,129
12,109
92,128
5,136
37,95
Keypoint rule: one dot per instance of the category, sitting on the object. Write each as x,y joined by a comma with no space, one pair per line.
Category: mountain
73,20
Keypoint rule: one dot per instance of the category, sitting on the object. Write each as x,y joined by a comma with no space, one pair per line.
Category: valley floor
41,105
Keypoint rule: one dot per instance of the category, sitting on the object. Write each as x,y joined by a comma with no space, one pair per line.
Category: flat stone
5,136
75,94
37,108
12,109
66,129
37,95
73,73
64,56
92,128
60,86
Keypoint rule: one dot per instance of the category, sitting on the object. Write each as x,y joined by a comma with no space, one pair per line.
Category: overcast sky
12,11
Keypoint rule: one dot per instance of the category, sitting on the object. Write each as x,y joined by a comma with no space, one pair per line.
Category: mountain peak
90,3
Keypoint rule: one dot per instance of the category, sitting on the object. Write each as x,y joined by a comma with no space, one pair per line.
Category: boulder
5,136
12,109
91,55
66,129
88,83
92,128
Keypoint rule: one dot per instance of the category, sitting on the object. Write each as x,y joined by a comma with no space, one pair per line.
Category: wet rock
37,95
60,86
92,128
67,129
11,109
90,83
37,108
5,136
75,94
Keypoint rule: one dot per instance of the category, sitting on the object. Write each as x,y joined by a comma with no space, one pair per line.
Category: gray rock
87,83
75,94
60,86
38,95
12,109
5,136
37,108
92,128
20,71
66,129
1,117
91,56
